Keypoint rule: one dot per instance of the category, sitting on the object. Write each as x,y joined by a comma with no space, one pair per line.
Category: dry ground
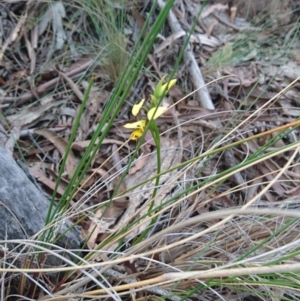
248,54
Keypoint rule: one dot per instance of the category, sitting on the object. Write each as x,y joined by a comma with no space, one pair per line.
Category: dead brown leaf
168,41
82,145
289,109
14,34
40,176
95,228
139,164
31,114
209,9
61,145
269,176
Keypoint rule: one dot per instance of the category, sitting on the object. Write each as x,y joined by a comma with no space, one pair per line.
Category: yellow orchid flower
166,87
155,111
160,89
140,125
139,128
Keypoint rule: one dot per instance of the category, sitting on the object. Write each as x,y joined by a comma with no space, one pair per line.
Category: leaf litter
41,93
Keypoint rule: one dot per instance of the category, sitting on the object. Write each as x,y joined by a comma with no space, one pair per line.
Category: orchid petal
136,108
157,91
154,99
160,88
163,89
136,125
136,134
171,83
156,112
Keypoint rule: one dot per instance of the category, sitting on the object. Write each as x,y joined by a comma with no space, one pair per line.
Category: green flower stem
155,134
